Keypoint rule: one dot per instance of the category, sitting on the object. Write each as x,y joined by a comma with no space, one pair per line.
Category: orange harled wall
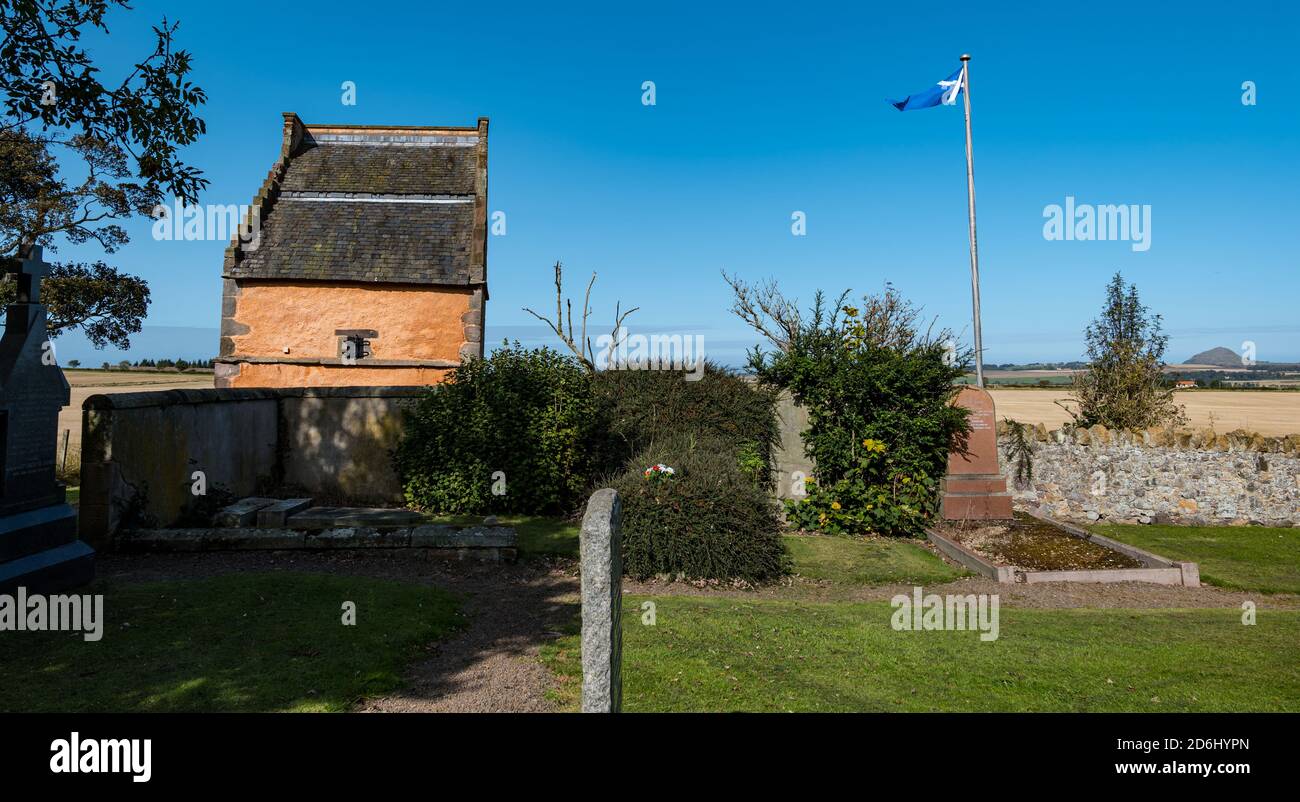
417,324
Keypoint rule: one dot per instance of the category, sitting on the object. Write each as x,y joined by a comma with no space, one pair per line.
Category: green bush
876,495
530,414
708,520
647,406
869,376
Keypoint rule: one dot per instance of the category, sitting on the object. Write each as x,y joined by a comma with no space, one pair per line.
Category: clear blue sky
763,110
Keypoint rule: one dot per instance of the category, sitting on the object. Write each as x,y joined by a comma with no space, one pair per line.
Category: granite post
602,603
39,549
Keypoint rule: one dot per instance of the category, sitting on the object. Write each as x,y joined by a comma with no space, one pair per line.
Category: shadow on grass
237,642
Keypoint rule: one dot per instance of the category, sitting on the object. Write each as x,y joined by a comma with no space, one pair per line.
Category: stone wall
140,450
1160,475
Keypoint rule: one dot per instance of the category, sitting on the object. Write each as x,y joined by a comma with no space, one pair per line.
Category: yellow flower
835,505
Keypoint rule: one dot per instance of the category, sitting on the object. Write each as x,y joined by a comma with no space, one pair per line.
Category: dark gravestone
39,549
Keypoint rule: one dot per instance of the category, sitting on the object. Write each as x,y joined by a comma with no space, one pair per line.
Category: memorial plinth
974,489
39,549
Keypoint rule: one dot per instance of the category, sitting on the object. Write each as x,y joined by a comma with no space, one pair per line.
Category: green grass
878,561
74,495
247,642
716,654
1254,558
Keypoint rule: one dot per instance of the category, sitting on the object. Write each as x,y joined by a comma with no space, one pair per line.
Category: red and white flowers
659,471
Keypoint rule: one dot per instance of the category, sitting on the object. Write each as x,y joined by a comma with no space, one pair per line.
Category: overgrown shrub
708,520
512,432
868,376
647,406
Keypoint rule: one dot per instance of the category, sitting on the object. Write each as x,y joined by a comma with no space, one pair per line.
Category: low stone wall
1160,475
140,450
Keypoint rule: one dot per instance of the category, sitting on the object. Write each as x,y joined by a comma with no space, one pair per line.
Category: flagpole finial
965,56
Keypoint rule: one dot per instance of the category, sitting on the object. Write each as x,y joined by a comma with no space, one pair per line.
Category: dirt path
492,667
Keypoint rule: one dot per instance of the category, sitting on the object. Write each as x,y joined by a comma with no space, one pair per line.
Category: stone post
602,603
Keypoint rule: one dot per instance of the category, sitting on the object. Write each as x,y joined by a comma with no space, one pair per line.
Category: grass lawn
74,495
724,654
1252,558
248,642
878,561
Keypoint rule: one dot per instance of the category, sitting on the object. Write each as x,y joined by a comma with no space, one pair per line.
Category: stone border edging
1156,569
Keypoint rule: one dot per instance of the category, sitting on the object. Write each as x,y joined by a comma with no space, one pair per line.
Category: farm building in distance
368,265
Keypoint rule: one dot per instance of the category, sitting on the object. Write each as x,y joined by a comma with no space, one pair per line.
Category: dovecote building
363,260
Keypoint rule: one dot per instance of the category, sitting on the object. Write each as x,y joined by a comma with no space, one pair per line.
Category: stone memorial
601,561
974,488
39,549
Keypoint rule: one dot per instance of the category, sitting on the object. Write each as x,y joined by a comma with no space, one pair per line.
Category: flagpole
974,250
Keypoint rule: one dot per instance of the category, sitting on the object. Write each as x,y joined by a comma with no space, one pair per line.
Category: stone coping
492,543
1206,439
167,398
1156,569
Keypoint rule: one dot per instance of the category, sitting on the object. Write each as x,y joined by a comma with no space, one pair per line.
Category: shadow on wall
341,448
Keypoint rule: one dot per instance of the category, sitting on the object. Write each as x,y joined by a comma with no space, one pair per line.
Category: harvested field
1269,413
86,383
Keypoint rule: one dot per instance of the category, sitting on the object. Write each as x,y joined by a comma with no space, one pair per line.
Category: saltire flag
943,93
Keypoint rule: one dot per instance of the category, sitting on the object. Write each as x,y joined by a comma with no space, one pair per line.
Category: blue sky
769,109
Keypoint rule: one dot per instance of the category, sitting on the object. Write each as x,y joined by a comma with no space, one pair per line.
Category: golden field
1269,413
86,383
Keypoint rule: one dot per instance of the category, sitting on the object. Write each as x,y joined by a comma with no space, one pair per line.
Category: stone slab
50,571
276,515
976,507
242,512
445,536
321,518
36,530
975,483
198,539
358,537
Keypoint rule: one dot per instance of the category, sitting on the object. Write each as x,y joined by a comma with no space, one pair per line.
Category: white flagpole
974,250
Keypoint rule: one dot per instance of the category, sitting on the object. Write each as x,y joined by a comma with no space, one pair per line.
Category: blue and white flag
943,93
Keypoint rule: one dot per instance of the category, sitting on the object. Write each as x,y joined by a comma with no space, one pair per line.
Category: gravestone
974,488
600,550
39,549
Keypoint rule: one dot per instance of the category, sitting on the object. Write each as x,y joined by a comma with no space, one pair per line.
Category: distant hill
1219,357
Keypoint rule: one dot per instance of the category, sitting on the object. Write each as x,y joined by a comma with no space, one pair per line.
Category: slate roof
371,207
